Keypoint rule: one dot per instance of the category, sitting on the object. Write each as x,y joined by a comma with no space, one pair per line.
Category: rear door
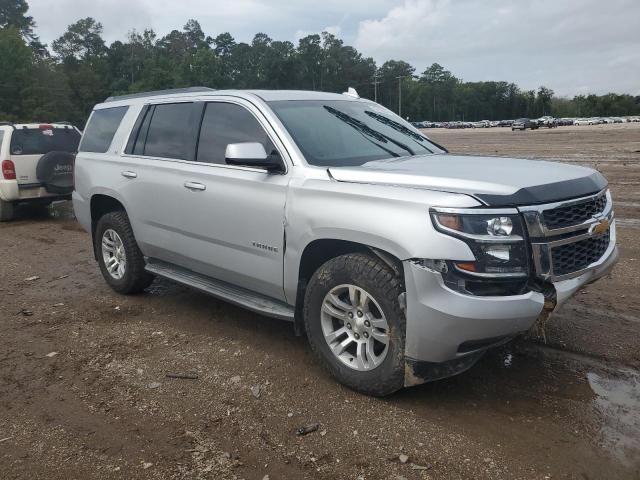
28,145
191,209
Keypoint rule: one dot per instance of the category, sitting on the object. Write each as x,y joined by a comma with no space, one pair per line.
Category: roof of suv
265,95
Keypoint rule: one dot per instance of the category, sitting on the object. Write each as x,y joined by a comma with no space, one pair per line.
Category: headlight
496,238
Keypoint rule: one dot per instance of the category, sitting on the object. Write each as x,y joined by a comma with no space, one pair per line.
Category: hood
496,181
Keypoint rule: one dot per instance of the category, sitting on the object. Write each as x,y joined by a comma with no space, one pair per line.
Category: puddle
618,401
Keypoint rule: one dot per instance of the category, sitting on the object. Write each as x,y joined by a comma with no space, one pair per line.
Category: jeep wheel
355,324
6,211
121,261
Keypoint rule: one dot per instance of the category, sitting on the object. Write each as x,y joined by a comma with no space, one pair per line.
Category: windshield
36,141
338,133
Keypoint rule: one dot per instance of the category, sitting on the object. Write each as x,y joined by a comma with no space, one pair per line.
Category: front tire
355,324
121,261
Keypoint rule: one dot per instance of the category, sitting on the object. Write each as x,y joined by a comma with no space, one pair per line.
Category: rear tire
7,211
120,259
372,338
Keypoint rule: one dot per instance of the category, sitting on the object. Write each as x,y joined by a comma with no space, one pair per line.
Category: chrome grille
570,237
575,214
576,256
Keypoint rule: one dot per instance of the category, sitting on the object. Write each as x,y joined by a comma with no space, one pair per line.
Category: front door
234,216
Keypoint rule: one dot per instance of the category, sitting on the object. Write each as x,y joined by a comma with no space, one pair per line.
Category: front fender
393,219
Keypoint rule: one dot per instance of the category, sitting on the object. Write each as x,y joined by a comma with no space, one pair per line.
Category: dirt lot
84,391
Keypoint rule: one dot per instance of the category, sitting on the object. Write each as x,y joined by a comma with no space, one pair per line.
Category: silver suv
401,263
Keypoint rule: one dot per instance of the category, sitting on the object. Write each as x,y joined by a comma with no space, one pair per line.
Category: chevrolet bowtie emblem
600,227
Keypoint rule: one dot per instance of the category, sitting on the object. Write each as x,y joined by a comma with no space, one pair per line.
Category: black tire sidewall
134,271
354,269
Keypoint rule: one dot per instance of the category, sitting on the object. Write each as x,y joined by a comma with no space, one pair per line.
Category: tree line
79,69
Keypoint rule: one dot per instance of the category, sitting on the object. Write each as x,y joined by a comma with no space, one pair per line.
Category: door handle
129,174
194,186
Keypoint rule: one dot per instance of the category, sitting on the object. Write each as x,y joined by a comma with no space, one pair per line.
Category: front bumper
447,331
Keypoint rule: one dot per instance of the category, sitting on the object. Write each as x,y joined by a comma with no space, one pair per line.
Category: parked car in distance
547,121
585,121
402,263
506,123
37,164
523,124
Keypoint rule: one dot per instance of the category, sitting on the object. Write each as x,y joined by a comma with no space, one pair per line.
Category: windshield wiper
366,129
399,128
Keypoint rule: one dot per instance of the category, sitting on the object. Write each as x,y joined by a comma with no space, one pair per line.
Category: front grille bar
544,239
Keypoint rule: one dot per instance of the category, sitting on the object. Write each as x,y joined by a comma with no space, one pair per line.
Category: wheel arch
100,205
319,251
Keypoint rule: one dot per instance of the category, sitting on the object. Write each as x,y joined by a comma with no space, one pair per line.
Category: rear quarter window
38,141
101,128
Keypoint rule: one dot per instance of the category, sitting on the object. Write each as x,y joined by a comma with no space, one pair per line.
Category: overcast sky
570,46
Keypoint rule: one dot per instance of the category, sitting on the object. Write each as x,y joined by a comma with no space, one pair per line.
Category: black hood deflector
550,192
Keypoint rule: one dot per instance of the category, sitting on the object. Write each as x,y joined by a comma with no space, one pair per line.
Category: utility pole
376,82
400,77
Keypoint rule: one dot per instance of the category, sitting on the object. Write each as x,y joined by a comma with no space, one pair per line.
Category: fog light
500,226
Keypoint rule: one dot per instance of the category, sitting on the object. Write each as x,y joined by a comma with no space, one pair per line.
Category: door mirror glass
252,154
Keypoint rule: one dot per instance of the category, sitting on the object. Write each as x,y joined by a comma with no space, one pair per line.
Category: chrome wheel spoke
333,336
353,295
108,245
361,356
356,338
335,307
113,254
340,347
375,359
382,337
378,323
364,300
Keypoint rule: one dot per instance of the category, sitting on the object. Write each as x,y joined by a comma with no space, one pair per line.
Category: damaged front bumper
447,332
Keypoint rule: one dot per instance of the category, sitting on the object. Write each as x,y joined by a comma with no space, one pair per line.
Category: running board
230,293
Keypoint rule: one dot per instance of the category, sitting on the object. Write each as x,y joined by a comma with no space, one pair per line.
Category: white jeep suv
37,164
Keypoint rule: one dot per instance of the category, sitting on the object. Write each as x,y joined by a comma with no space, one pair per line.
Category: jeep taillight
8,170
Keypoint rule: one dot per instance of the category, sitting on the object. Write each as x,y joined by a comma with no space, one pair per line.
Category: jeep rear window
349,133
101,128
38,141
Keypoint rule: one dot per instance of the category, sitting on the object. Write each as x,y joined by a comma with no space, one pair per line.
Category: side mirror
252,154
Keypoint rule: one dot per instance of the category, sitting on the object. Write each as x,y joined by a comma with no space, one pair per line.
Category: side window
135,144
101,128
1,137
172,131
225,123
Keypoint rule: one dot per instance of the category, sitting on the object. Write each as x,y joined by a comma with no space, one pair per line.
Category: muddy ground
84,391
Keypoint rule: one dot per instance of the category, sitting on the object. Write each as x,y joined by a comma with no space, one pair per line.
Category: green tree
13,13
16,66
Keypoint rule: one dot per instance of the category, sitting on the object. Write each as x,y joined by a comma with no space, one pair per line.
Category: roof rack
158,92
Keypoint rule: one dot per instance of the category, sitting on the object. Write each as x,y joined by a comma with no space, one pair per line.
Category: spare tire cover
55,172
